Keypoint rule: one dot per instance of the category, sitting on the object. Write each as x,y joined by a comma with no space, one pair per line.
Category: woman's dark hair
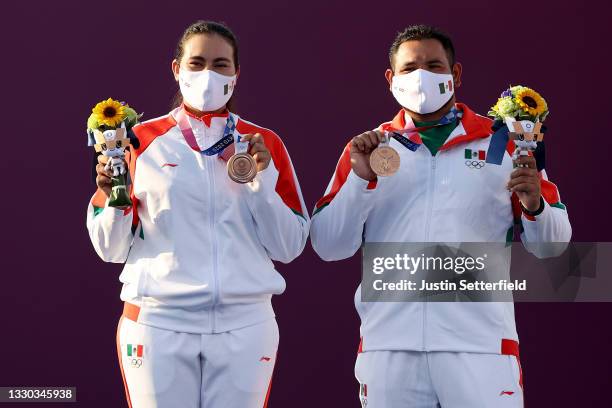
206,27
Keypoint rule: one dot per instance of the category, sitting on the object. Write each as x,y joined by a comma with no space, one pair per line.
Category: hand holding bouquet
109,130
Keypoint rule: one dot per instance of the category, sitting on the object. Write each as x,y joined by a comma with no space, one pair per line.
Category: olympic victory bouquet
522,110
109,130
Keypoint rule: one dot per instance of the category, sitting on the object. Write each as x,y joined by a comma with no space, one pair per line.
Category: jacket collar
206,117
474,126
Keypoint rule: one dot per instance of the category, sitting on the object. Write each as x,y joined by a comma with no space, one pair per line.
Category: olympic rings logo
475,164
136,362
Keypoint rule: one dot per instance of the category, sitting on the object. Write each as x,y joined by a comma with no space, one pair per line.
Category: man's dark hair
422,32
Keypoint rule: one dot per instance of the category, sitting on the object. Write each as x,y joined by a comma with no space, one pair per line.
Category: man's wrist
536,212
366,177
356,180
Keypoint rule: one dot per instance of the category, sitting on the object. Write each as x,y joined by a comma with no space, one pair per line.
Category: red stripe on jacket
475,126
146,133
343,168
285,185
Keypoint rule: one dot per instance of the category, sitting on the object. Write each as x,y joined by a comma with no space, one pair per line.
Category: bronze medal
384,161
242,168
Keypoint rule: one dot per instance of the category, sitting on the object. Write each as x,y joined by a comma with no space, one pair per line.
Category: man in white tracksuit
428,354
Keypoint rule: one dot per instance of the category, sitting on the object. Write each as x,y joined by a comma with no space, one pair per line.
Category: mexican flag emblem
446,87
475,155
135,350
227,88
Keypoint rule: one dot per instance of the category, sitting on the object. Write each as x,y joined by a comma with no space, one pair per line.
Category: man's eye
103,146
118,144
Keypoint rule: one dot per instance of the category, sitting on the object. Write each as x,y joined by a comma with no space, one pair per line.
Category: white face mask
422,91
206,90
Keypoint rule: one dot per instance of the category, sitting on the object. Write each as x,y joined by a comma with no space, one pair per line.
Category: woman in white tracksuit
198,329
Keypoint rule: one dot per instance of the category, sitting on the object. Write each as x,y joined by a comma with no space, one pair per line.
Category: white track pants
167,369
413,379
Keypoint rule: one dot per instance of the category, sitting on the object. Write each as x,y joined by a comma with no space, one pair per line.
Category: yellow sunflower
531,102
109,112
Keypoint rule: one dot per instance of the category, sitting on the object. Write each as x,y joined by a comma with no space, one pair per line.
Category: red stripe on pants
511,348
127,391
265,405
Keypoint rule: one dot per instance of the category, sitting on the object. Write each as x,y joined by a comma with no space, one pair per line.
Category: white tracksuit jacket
434,199
198,247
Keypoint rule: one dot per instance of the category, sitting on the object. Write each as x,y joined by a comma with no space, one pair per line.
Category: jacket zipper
432,187
211,197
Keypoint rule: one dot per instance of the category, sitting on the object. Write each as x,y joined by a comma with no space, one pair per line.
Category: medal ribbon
219,146
499,141
399,135
241,147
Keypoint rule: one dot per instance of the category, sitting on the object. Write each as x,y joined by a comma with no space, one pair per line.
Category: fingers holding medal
368,141
251,156
371,155
258,149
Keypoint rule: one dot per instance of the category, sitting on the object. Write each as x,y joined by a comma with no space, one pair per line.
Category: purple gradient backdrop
314,73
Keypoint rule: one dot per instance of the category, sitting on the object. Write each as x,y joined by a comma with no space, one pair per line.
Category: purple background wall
314,73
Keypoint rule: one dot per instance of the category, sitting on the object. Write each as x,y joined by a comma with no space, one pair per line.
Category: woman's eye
103,146
118,144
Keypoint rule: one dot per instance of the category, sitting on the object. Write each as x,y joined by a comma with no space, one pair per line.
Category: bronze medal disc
384,161
242,168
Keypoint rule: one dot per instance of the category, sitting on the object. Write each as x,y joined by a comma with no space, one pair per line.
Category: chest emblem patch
475,159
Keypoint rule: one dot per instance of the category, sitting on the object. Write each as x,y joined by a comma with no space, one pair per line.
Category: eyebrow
408,64
432,61
202,59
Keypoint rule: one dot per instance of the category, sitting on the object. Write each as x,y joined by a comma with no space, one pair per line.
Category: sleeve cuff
356,182
535,215
113,212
